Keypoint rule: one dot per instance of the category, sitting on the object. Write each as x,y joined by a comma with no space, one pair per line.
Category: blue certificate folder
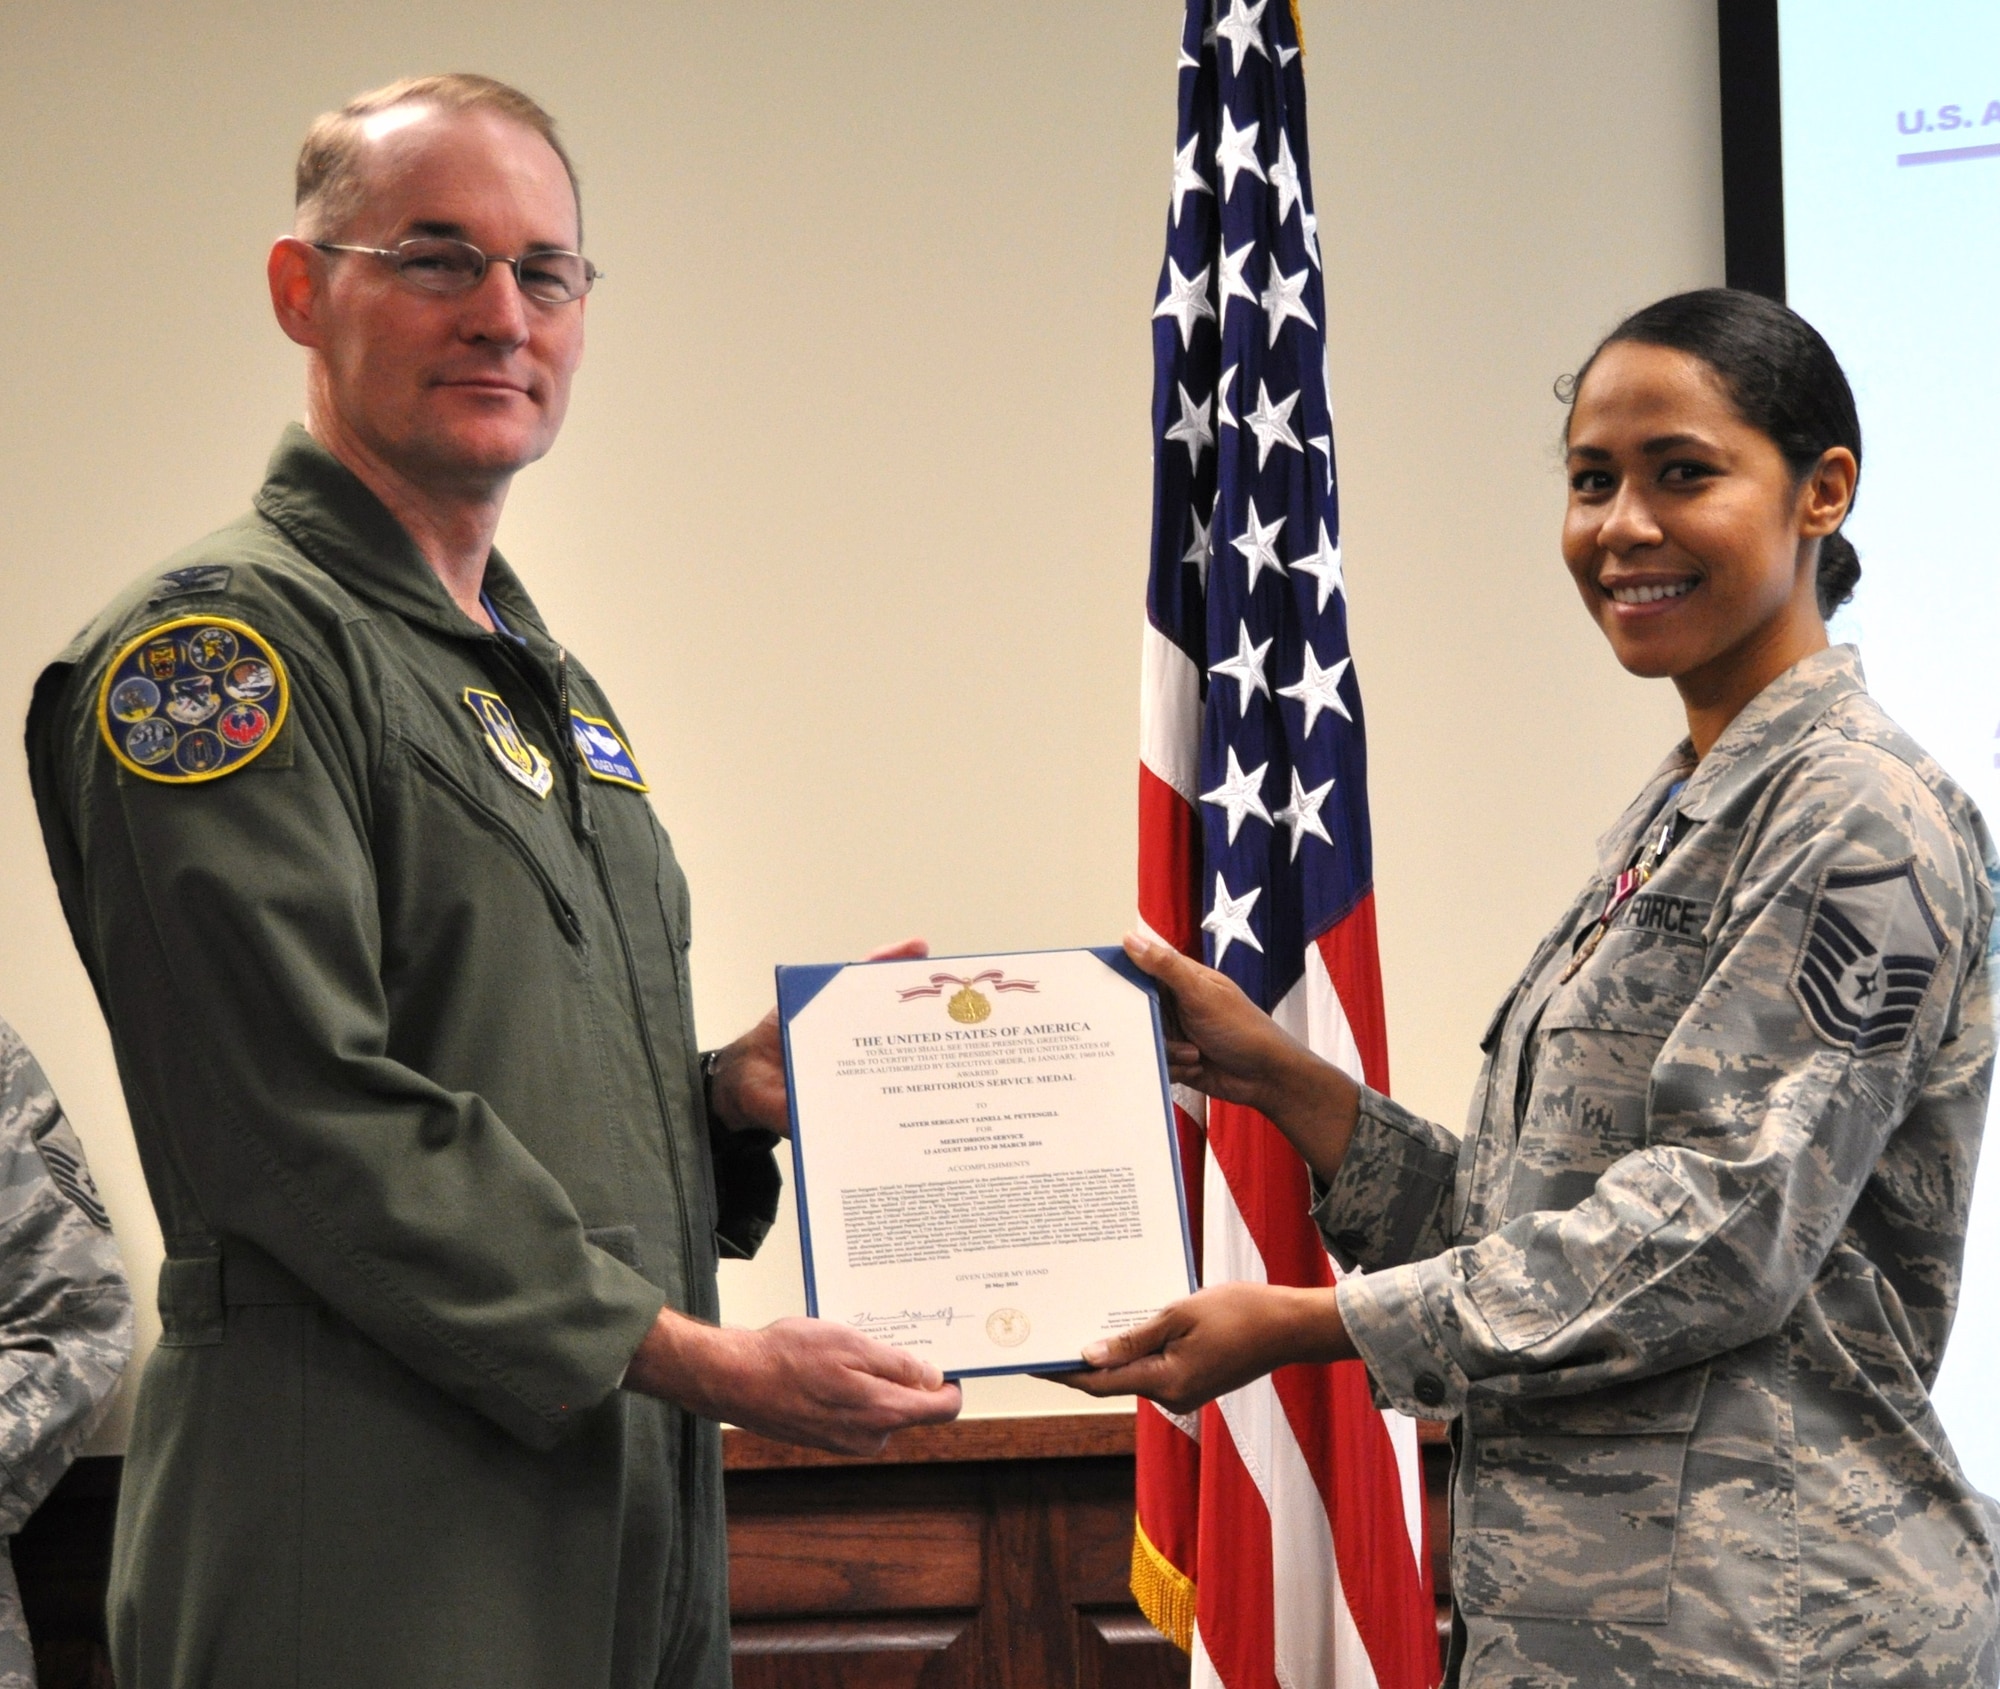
798,986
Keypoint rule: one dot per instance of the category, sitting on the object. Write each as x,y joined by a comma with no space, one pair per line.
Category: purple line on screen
1948,155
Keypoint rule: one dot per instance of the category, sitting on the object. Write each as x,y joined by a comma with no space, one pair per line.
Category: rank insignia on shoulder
202,577
192,699
604,751
520,760
1871,947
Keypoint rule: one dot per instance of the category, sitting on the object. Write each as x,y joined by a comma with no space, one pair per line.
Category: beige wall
851,511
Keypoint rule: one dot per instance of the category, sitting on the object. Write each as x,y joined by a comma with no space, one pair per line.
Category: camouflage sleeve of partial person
65,1306
1766,1112
1390,1200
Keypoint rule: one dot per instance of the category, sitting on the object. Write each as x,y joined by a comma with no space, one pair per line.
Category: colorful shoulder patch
192,699
604,751
518,759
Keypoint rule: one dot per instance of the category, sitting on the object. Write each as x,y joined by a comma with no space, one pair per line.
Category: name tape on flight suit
604,751
192,699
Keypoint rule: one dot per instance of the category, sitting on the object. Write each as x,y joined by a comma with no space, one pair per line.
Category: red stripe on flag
1169,863
1385,1577
1354,965
1169,1480
1234,1600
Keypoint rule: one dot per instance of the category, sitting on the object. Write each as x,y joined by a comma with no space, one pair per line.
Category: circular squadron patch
192,699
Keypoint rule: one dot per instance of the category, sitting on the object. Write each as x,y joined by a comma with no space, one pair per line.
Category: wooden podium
989,1554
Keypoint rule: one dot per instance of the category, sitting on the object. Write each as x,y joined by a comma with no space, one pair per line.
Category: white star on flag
1187,179
1246,668
1311,223
1271,423
1284,177
1185,300
1301,815
1318,689
1324,566
1243,30
1199,543
1224,416
1241,794
1259,543
1233,284
1229,920
1287,54
1193,430
1236,153
1284,300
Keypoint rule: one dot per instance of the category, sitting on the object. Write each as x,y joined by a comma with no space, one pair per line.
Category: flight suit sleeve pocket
1576,1502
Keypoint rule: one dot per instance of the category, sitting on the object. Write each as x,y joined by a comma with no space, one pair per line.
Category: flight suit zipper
586,831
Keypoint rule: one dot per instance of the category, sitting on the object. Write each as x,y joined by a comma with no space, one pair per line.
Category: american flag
1281,1531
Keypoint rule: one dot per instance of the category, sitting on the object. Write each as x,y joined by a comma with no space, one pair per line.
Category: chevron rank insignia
1871,947
604,751
192,699
62,1155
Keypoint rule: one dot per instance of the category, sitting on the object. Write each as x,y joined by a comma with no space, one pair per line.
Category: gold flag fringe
1298,29
1164,1592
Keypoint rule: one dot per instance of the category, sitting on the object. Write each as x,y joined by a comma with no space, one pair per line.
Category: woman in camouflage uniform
1684,1284
65,1316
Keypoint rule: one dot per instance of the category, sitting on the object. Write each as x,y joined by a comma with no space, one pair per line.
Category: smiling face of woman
1690,538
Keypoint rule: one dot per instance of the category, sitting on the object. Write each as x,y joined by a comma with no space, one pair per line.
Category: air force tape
192,699
1871,947
604,751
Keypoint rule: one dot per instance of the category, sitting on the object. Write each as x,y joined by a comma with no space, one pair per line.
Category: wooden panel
856,1654
1120,1650
821,1558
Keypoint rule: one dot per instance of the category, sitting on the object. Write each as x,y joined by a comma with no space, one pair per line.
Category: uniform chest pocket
1575,1502
1588,1094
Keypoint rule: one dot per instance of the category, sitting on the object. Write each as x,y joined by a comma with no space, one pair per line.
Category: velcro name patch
604,751
192,699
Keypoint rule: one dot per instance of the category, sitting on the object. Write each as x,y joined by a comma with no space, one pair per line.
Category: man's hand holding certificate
985,1157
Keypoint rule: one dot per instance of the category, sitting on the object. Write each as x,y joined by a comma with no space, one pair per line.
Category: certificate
984,1153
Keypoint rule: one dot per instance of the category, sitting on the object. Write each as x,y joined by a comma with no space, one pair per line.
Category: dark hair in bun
1785,382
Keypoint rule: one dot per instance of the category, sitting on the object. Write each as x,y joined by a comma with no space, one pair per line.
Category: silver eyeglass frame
394,256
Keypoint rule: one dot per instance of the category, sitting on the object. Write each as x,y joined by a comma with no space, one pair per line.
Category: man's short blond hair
329,187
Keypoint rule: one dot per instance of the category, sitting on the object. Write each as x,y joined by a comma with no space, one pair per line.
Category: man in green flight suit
394,957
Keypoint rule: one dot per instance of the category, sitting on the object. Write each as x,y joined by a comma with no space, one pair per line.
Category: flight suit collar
326,510
1773,721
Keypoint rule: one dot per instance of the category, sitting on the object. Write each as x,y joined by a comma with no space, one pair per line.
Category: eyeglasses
440,265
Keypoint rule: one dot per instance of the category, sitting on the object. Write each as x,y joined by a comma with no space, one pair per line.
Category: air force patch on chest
192,699
1871,947
604,752
517,758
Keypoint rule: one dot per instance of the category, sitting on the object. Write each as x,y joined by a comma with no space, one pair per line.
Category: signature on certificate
906,1317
